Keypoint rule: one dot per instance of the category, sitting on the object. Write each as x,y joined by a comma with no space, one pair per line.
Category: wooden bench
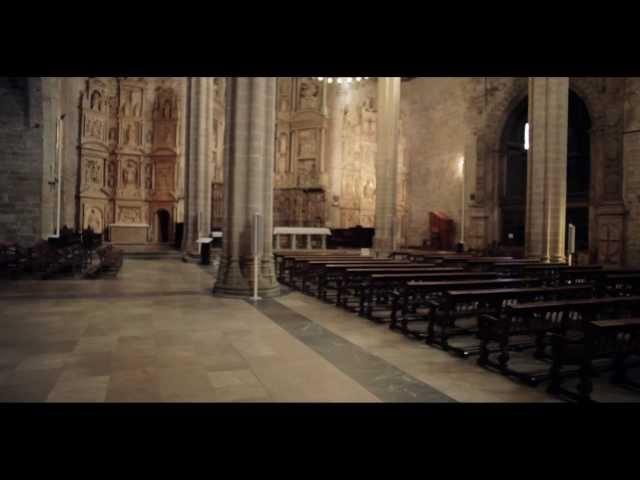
514,267
410,299
281,257
335,277
310,270
620,283
375,294
352,280
579,275
459,304
612,339
536,319
291,265
550,272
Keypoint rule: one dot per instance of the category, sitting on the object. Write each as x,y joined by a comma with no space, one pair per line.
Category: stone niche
128,158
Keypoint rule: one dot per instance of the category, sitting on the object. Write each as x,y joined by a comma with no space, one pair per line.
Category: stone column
337,96
248,185
197,212
52,149
386,163
547,168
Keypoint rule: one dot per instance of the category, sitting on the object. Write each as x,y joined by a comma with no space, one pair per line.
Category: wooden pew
375,294
514,268
579,275
421,255
481,264
538,318
615,339
620,282
550,272
416,295
291,264
281,257
352,280
309,270
472,303
339,276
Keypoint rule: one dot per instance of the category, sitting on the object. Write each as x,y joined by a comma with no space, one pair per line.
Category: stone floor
156,334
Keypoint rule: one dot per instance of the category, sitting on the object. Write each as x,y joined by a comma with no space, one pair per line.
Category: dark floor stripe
100,296
384,380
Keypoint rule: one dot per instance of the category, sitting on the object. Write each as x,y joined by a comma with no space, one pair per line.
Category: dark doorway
163,226
514,176
514,172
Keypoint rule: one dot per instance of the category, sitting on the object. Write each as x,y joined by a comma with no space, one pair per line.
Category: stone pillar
386,163
197,216
248,185
337,98
52,140
547,168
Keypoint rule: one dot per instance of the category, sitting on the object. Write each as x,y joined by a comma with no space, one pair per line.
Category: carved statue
309,95
130,175
166,109
148,177
96,101
95,221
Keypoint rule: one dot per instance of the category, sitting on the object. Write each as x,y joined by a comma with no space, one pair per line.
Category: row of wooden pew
568,317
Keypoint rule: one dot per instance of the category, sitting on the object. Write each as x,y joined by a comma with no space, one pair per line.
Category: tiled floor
156,334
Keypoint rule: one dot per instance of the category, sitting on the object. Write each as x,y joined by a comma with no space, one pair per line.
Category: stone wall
631,155
21,151
434,121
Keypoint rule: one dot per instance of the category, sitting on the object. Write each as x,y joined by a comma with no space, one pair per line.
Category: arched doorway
513,191
163,221
513,185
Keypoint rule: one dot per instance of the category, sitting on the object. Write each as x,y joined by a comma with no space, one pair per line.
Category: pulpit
440,231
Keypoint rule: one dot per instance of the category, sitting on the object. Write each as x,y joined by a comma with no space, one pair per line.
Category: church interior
320,239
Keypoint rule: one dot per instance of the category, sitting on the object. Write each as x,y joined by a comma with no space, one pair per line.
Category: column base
382,246
558,259
239,292
235,278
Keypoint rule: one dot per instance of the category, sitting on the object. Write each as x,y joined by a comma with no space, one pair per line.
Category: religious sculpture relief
369,118
96,101
130,215
130,174
131,102
369,190
94,220
93,175
114,141
309,94
308,174
307,144
284,94
111,175
148,176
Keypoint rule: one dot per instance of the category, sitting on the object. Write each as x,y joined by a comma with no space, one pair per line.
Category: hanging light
341,80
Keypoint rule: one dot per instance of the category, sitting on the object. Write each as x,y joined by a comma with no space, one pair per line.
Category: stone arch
490,153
